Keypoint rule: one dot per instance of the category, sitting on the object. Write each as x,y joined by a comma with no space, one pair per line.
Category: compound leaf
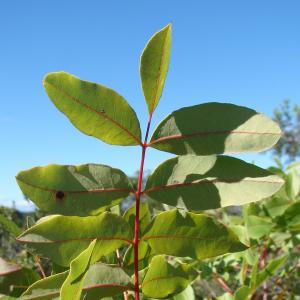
215,128
63,238
208,182
74,190
154,66
193,235
94,109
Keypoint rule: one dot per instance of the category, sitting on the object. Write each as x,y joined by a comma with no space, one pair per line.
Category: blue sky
244,52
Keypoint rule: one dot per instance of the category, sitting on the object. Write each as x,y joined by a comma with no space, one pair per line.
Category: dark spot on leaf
60,195
102,111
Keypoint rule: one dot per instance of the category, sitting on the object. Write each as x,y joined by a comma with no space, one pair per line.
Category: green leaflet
208,182
145,255
46,289
105,281
154,66
293,184
215,128
71,288
100,281
74,190
94,109
194,235
276,206
63,238
145,216
257,227
14,279
164,279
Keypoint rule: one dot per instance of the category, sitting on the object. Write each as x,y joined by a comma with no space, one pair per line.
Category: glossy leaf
74,190
72,286
215,128
208,182
94,109
154,66
63,238
194,235
164,279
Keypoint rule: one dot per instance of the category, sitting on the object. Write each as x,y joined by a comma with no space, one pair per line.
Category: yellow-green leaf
194,235
94,109
154,66
166,278
63,238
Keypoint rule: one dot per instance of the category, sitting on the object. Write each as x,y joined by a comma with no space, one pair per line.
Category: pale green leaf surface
72,286
63,238
258,227
215,128
208,182
164,279
74,190
293,184
94,109
193,235
154,66
276,206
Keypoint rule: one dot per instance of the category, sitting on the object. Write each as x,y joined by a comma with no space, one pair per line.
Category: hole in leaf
60,195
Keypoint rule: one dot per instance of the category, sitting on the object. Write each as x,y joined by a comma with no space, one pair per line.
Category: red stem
137,214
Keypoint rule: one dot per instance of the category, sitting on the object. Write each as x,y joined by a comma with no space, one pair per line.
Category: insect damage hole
60,195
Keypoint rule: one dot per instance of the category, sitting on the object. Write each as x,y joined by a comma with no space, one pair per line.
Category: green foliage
74,190
188,181
147,253
214,128
94,109
62,238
